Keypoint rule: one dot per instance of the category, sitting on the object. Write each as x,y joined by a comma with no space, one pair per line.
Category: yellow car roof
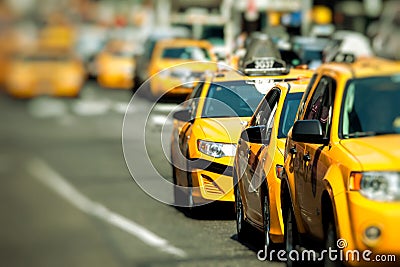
365,67
233,75
298,86
183,42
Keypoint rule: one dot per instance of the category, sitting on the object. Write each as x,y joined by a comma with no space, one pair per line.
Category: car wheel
176,190
268,244
191,209
291,237
331,243
242,227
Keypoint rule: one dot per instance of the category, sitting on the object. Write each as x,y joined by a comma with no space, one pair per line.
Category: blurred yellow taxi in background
172,77
9,43
4,64
116,65
58,33
51,72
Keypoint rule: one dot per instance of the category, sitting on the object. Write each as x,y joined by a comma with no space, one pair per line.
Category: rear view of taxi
259,160
51,72
171,75
116,65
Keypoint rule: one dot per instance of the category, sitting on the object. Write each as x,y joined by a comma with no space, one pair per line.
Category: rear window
191,53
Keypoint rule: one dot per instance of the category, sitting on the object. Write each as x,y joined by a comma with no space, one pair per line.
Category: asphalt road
67,197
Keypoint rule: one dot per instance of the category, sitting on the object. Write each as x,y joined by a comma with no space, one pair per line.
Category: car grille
210,186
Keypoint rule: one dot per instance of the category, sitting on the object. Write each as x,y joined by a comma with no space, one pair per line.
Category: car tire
331,243
268,243
290,236
191,209
176,190
242,227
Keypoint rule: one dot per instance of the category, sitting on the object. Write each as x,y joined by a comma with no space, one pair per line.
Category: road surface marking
44,173
122,107
45,107
91,107
165,107
160,120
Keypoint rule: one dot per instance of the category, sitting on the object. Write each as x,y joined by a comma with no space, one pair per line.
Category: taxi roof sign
265,66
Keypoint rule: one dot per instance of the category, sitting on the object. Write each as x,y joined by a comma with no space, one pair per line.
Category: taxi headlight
380,186
216,150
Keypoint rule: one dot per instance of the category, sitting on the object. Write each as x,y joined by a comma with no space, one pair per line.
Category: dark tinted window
231,99
288,114
193,53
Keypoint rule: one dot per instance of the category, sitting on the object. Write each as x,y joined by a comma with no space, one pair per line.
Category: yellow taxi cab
340,187
167,69
9,43
115,65
259,159
205,133
55,73
5,59
57,34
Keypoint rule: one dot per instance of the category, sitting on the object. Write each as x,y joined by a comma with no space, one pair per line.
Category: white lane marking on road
44,173
165,107
91,107
121,107
160,119
45,107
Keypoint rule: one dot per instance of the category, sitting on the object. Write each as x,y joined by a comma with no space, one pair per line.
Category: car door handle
306,157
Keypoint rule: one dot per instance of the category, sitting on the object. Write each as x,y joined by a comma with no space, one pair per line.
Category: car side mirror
183,115
254,134
308,131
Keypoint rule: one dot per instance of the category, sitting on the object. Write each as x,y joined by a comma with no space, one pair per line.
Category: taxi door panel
316,156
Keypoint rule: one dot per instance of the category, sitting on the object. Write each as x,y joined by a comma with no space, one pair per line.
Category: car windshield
288,114
371,107
123,53
190,52
44,58
232,99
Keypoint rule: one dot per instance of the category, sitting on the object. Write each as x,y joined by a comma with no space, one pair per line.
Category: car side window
305,96
254,121
263,114
194,98
320,106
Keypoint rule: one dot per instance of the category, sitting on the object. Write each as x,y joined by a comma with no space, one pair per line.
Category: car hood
224,130
375,153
